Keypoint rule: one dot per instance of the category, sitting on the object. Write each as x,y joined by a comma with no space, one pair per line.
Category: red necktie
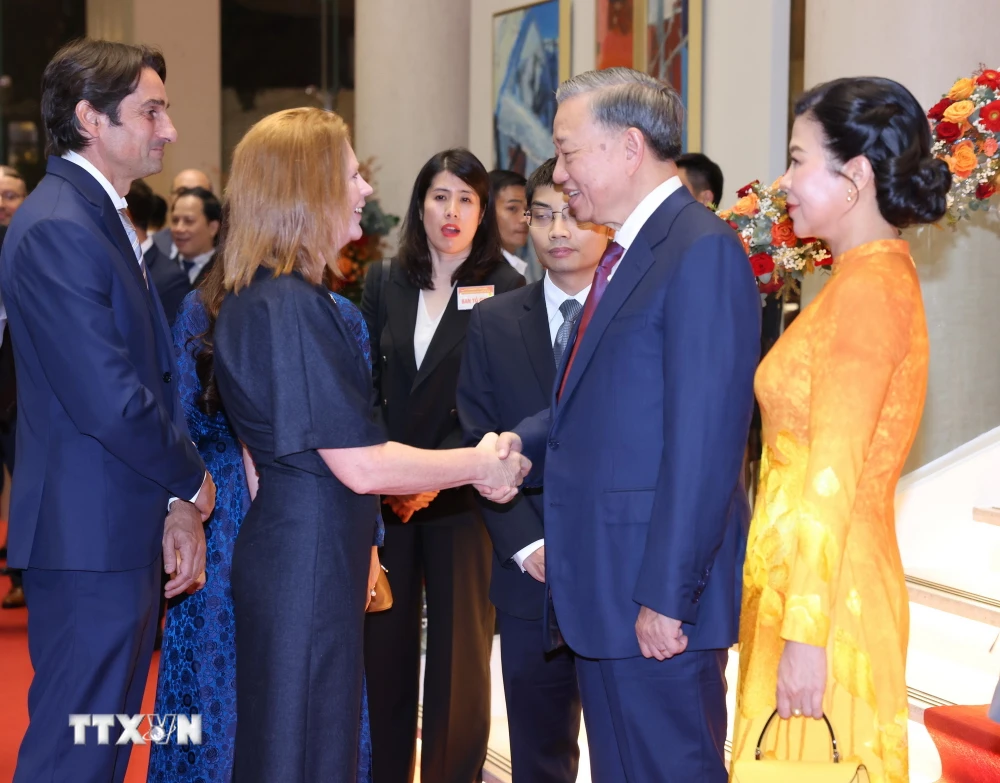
612,255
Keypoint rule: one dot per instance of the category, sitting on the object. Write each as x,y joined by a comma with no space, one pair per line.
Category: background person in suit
158,216
645,512
189,178
108,446
171,284
194,224
507,190
514,346
13,191
449,257
702,177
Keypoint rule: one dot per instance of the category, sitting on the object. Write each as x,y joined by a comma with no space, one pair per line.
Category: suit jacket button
167,377
553,444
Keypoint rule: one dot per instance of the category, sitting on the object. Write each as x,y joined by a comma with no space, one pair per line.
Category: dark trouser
652,721
7,431
454,560
543,704
90,637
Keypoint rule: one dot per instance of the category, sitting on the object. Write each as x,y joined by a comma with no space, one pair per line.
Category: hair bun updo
881,120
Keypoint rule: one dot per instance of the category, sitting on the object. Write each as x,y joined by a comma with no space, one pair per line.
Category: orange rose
747,206
782,234
746,244
961,89
990,147
726,214
963,160
959,112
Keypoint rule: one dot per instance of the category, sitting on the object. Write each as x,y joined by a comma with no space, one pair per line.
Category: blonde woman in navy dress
297,389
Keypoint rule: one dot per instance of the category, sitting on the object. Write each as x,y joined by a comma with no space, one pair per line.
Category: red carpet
968,741
15,677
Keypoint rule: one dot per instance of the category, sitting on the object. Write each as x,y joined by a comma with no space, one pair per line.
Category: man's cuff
196,494
523,554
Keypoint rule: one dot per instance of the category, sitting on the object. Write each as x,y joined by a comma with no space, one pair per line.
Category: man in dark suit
103,453
189,178
195,222
169,280
642,446
514,345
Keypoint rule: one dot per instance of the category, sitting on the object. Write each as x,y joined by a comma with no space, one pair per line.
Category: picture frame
665,40
530,56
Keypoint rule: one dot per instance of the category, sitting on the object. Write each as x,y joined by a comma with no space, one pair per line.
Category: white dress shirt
626,235
119,203
423,330
199,262
144,246
554,297
518,263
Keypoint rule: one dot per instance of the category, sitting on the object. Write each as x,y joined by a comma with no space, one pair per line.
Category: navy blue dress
198,661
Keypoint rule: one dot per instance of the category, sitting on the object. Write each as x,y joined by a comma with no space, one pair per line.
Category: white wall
926,46
194,72
411,87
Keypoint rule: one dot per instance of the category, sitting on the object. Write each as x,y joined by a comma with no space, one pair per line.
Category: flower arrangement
965,124
375,227
778,257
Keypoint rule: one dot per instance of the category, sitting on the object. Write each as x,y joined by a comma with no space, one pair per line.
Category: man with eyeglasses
514,347
12,193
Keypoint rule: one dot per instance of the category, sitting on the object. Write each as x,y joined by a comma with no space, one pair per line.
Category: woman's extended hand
505,475
373,569
801,680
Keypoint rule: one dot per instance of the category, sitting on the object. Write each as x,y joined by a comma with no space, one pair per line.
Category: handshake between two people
509,469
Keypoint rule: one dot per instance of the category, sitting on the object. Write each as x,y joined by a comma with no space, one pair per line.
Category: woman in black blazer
417,309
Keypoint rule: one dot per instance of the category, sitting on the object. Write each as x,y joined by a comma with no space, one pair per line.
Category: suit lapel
401,304
633,267
535,332
449,333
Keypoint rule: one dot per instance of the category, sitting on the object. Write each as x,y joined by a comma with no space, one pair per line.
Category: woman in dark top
418,311
296,388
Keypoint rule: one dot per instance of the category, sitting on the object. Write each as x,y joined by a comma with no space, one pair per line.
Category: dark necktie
187,266
611,256
570,310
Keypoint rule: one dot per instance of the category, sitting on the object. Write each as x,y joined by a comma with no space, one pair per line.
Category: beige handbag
761,770
382,599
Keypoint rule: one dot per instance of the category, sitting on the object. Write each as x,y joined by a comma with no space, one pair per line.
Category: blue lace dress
198,660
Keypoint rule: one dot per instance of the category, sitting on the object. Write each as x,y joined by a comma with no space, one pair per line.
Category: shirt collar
555,296
632,225
90,168
144,246
200,260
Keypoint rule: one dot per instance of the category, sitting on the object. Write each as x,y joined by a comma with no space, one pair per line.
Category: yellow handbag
761,770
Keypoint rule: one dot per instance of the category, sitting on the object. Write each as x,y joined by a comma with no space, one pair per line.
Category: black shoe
14,599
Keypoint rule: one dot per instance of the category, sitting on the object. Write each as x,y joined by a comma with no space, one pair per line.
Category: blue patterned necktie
134,241
570,310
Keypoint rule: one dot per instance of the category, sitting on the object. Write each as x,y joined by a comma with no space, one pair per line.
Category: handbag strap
833,739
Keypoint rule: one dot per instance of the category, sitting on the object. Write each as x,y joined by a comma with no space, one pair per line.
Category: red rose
782,234
808,240
937,110
948,131
733,224
989,116
984,191
746,190
770,288
828,261
989,78
762,264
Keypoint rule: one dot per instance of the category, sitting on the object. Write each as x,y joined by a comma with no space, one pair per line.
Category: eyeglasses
542,217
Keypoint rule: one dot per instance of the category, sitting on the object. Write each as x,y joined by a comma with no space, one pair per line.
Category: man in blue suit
102,450
513,348
642,446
